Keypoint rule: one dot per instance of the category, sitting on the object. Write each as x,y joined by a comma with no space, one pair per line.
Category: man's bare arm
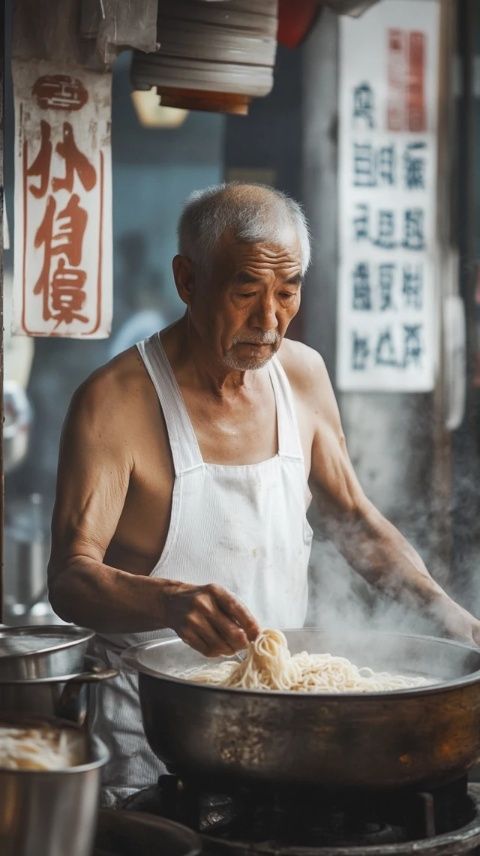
96,463
370,543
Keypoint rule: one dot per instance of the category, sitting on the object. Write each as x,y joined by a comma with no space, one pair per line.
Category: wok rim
128,659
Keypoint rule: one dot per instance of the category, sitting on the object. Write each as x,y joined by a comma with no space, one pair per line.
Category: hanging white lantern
212,56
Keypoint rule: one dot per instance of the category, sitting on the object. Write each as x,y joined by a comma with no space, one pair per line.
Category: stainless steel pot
377,740
45,651
66,696
53,812
124,833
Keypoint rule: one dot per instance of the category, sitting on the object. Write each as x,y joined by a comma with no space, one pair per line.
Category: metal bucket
51,813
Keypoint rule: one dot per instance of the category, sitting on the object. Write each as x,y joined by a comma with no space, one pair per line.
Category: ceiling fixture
211,56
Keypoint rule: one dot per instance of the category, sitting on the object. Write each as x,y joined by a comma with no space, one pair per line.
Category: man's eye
246,294
287,294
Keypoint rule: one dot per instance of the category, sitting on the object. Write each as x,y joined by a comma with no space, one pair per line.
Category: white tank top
243,527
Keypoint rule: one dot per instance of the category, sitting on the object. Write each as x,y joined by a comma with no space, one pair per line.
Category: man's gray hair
253,213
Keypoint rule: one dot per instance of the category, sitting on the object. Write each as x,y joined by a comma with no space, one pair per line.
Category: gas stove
261,819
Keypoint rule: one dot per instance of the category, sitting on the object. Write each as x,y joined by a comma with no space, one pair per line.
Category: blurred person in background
140,302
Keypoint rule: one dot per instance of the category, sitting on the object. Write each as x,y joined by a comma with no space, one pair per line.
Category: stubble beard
233,361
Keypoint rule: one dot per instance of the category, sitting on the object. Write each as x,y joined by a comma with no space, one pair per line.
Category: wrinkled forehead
231,254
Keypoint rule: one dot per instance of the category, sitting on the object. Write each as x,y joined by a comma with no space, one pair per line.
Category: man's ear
184,277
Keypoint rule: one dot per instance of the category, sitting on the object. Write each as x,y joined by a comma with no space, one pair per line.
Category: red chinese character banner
63,202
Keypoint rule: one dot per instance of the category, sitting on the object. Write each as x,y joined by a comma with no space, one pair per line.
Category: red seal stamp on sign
60,92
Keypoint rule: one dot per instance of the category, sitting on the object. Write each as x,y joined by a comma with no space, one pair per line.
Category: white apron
243,527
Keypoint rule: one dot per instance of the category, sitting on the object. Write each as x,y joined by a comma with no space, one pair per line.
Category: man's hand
208,618
455,621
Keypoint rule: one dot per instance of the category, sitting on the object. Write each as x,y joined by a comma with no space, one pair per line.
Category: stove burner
310,822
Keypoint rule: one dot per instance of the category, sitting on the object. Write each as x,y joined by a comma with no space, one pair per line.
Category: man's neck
195,366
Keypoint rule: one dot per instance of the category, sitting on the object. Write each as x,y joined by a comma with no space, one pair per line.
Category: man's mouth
269,340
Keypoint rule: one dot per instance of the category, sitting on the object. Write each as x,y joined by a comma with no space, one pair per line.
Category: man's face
241,310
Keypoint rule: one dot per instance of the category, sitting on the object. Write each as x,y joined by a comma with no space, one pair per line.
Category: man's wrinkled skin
116,477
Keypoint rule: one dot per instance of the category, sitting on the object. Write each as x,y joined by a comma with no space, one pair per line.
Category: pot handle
72,704
92,677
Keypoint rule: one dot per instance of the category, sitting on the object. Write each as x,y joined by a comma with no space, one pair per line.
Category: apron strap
183,442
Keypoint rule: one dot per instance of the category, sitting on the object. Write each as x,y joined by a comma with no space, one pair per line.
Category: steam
392,440
341,598
343,604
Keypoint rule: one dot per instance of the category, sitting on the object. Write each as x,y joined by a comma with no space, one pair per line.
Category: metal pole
2,102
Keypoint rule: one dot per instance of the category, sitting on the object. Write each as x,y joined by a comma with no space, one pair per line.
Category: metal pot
377,740
47,651
51,812
66,696
126,832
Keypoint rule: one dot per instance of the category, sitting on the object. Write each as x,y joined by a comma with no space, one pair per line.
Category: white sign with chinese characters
387,197
63,232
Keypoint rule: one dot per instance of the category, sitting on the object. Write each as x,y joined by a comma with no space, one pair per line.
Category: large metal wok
425,735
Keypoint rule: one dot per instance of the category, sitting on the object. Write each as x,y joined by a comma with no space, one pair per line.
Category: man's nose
265,315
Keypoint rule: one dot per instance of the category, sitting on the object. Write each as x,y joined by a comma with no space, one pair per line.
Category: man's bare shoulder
304,367
308,376
112,394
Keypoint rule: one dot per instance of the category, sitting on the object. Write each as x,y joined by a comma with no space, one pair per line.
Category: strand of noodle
39,748
268,665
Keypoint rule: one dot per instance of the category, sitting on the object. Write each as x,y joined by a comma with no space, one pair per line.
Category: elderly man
187,463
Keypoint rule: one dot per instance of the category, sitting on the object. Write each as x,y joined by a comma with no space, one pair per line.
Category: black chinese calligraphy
360,352
361,287
387,347
386,279
412,286
414,166
390,165
389,229
363,105
387,286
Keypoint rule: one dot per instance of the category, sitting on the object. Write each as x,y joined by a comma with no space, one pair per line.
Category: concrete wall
390,436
